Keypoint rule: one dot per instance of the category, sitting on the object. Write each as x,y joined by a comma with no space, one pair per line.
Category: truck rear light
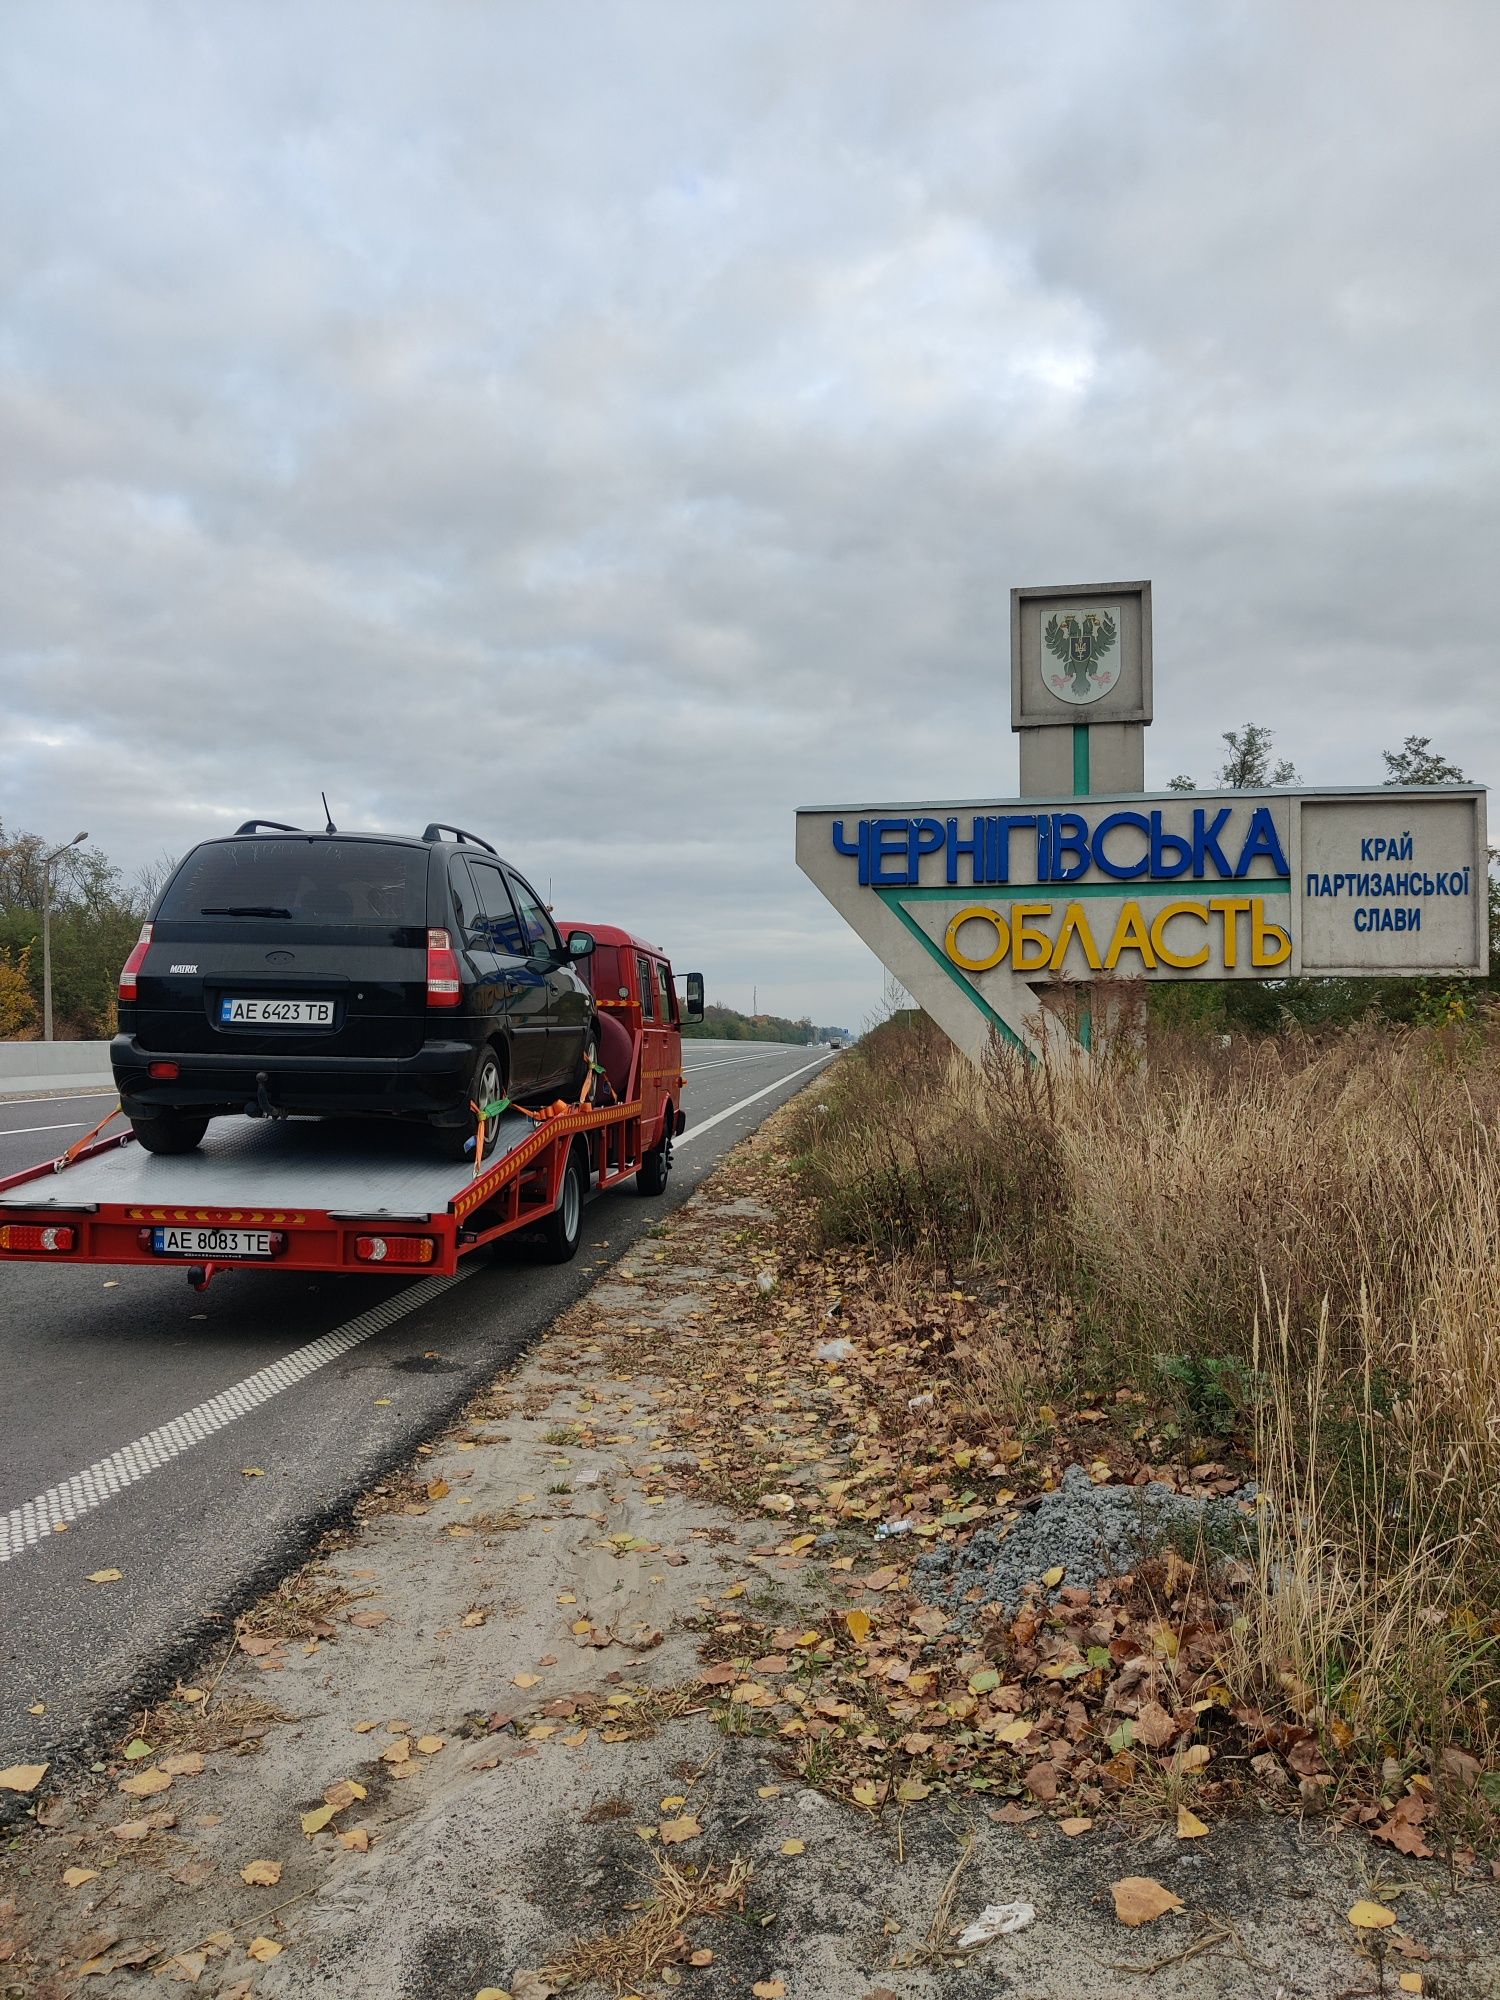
130,971
49,1237
165,1072
444,988
394,1249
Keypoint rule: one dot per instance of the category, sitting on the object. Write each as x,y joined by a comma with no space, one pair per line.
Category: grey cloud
615,427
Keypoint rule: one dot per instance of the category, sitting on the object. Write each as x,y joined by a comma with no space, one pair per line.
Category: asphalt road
95,1360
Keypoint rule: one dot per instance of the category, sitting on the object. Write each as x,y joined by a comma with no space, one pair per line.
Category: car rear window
356,882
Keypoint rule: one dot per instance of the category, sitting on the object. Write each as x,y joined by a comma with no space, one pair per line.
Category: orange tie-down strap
66,1159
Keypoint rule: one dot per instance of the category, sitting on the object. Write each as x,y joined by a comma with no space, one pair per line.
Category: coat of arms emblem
1081,643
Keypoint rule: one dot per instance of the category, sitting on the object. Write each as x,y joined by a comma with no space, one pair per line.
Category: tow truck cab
636,994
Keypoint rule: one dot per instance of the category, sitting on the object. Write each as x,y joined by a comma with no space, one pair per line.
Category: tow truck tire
657,1165
485,1086
171,1131
559,1236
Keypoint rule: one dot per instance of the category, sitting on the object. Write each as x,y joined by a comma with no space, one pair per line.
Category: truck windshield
355,882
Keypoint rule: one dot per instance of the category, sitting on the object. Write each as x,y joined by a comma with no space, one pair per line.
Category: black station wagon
347,973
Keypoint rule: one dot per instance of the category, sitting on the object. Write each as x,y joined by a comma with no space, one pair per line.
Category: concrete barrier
33,1069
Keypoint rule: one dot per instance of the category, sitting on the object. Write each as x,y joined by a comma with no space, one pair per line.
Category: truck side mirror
580,944
693,983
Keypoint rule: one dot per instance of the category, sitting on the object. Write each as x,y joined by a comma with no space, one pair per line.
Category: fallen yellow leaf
430,1745
1371,1917
357,1839
525,1680
252,1472
345,1793
1189,1826
261,1874
183,1764
672,1801
397,1752
674,1831
315,1821
146,1783
1411,1982
1015,1732
263,1949
37,1708
702,1956
438,1489
1073,1827
22,1777
768,1791
794,1847
769,1989
104,1576
864,1793
364,1728
75,1878
1053,1577
859,1626
1141,1900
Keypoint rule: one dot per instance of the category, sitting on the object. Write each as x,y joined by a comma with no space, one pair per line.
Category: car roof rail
276,825
439,827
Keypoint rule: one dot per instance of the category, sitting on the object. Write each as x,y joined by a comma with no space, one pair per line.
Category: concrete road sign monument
980,907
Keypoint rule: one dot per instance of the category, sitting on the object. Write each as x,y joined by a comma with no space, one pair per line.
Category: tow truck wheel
657,1165
560,1233
170,1131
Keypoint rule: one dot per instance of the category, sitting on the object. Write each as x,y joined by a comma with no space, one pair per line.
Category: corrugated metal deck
345,1168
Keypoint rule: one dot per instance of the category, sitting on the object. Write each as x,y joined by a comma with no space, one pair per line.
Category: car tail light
443,986
48,1237
130,971
165,1072
394,1249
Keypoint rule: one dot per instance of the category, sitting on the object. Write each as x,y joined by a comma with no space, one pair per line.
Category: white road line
697,1131
25,1526
62,1096
21,1131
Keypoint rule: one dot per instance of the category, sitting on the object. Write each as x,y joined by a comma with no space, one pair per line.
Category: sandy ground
495,1844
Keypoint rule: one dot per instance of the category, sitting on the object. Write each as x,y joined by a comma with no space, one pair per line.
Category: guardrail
31,1069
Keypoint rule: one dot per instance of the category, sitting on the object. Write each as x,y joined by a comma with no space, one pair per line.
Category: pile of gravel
1086,1530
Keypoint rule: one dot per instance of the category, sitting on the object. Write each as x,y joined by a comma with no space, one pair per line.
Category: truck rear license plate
276,1013
212,1242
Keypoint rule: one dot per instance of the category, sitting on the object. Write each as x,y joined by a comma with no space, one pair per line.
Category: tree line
96,915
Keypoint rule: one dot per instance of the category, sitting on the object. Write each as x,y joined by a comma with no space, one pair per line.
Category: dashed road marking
68,1501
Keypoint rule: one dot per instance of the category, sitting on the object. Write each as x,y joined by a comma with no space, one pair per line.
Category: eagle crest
1080,641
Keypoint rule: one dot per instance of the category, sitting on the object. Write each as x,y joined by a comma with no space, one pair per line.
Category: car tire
486,1084
585,1062
656,1168
560,1234
171,1131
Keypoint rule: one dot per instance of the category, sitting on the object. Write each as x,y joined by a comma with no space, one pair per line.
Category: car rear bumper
433,1083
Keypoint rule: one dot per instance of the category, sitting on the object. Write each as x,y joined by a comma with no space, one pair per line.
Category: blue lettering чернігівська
1125,846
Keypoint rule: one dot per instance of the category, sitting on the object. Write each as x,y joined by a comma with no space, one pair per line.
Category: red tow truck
309,1195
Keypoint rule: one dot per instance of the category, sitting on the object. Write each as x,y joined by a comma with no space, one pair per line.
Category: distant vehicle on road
636,995
348,973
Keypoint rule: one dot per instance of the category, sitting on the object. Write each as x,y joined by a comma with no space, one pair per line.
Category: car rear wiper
244,910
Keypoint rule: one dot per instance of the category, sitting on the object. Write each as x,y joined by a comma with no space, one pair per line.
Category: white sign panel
972,905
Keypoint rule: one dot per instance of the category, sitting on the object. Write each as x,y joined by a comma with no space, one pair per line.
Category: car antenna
330,828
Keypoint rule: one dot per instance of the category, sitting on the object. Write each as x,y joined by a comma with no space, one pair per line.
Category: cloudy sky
611,426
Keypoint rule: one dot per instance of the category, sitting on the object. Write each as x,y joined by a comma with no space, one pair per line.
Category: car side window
647,985
465,903
501,922
668,997
538,927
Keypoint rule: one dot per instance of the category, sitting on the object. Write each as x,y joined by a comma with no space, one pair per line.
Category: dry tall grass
1318,1220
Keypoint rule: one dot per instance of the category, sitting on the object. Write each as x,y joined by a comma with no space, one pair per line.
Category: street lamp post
47,862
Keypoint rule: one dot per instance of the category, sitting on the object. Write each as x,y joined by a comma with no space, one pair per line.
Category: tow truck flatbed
308,1194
